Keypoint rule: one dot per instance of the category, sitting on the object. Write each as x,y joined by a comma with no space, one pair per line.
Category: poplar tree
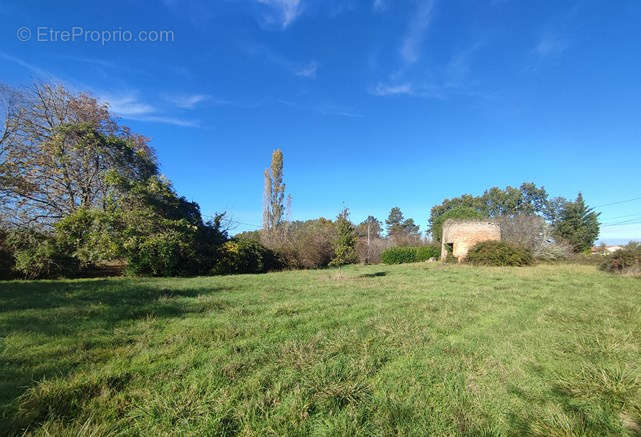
274,195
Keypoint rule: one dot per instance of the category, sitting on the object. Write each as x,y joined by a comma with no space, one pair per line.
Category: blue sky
375,103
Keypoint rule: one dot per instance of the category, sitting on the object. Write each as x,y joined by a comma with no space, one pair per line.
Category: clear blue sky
375,103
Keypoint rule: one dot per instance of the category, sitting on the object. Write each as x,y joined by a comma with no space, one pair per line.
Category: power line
618,203
624,223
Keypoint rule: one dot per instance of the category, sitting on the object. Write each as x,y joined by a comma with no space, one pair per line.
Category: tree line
79,192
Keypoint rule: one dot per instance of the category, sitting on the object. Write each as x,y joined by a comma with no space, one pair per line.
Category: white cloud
415,35
187,101
308,70
286,11
382,89
550,44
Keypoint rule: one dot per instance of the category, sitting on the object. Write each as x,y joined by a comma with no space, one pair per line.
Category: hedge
409,254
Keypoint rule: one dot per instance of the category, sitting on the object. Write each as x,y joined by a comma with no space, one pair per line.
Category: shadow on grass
373,275
47,328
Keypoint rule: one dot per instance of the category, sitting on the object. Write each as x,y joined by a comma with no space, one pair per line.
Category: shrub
245,256
303,245
39,257
407,254
498,253
166,253
622,261
423,253
399,255
552,251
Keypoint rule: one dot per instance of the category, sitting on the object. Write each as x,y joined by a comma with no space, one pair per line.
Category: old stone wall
463,235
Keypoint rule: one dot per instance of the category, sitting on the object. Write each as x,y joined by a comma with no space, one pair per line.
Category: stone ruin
459,236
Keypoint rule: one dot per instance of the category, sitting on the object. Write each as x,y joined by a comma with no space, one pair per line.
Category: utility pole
367,259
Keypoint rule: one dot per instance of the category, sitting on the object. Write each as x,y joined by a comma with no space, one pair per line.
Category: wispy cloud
282,12
324,109
187,101
308,70
39,72
380,5
419,23
382,89
551,44
131,107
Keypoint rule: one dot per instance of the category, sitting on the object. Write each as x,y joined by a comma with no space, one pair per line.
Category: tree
345,245
459,212
394,222
370,227
399,229
528,199
273,211
578,225
56,150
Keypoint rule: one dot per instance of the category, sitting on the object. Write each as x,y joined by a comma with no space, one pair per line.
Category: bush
622,261
407,254
498,253
303,245
39,257
245,256
424,253
160,254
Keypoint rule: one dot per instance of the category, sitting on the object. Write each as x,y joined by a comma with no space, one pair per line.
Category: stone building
460,235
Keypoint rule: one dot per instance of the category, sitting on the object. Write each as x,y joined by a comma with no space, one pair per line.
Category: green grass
379,350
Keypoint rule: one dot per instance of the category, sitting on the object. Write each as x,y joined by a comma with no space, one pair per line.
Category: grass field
368,350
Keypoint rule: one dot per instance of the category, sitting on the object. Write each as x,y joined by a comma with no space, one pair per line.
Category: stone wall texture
463,235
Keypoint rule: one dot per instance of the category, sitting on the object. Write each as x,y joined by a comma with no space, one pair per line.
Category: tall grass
377,350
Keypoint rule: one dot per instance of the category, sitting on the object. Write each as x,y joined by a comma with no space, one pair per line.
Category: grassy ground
379,350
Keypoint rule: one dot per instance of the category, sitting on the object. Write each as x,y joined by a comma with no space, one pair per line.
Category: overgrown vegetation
626,260
561,223
415,349
499,253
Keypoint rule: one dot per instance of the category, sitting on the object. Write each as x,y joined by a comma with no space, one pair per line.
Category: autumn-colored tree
57,151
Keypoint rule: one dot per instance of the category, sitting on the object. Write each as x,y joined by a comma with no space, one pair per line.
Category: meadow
416,349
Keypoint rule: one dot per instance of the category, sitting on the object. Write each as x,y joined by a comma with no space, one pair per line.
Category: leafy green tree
528,199
460,212
345,244
578,225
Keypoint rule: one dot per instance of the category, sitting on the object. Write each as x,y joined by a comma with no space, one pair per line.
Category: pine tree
394,221
578,225
345,245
